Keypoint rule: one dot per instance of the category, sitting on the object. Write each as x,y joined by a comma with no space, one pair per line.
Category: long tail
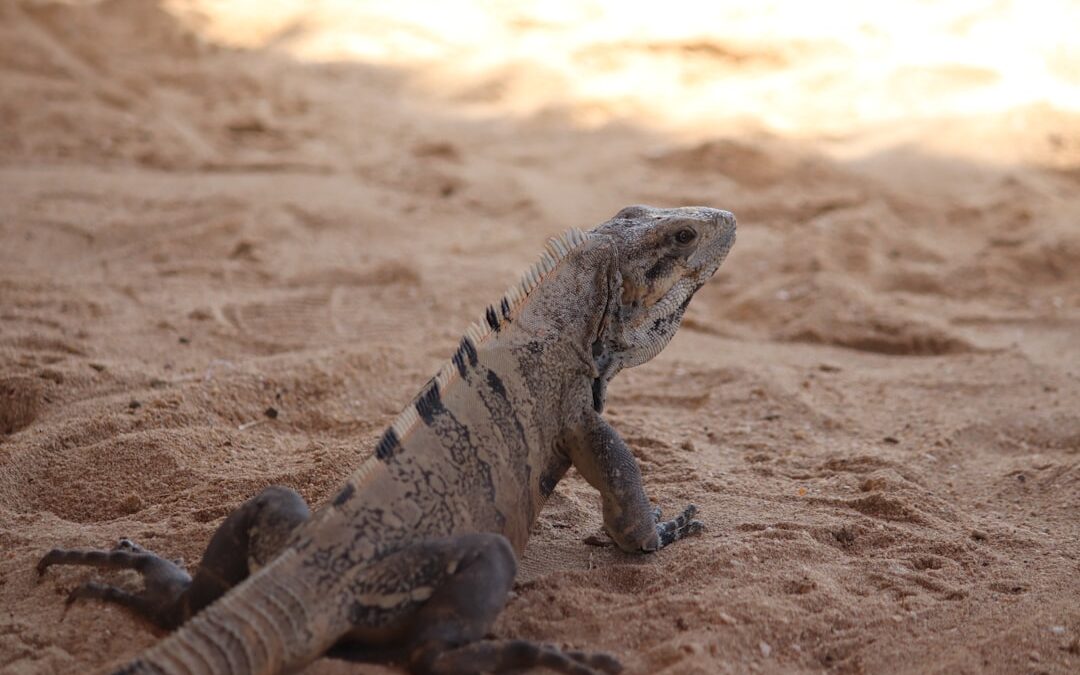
264,626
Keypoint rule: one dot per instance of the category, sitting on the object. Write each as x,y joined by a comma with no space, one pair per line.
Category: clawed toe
164,582
125,544
680,526
688,513
91,590
48,560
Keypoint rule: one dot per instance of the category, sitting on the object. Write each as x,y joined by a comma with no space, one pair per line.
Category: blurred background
209,208
927,151
833,68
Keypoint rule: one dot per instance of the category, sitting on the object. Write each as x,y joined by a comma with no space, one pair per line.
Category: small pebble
1057,630
131,504
271,412
133,405
766,650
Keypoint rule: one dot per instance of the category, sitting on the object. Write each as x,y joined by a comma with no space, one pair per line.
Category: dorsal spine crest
495,315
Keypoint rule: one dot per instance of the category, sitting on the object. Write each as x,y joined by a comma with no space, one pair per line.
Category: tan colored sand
876,403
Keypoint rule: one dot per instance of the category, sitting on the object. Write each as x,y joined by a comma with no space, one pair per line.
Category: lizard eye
685,236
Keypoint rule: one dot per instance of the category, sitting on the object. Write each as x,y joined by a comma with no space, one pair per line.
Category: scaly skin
412,561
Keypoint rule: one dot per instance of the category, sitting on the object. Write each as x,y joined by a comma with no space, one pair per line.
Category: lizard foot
94,590
125,544
164,581
679,527
125,554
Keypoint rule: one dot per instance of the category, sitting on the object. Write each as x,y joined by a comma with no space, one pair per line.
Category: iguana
414,557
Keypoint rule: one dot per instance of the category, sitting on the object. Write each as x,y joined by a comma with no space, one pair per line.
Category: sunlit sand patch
695,68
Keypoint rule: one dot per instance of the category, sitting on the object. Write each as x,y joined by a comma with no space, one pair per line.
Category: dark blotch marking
345,495
470,350
469,473
464,357
492,318
496,385
661,268
429,404
459,363
504,306
547,485
388,445
665,323
502,413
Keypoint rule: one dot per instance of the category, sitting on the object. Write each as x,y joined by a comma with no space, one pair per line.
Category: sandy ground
210,209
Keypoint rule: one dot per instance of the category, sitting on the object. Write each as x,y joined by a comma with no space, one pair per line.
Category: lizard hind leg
447,630
254,532
164,580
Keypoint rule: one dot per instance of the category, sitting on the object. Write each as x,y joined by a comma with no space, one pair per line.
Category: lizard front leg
607,463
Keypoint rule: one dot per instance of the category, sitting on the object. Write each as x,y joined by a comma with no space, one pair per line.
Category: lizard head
664,257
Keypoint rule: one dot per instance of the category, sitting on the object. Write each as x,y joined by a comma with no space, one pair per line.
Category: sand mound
20,401
825,310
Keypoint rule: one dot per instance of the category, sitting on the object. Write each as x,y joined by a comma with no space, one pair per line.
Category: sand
208,210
